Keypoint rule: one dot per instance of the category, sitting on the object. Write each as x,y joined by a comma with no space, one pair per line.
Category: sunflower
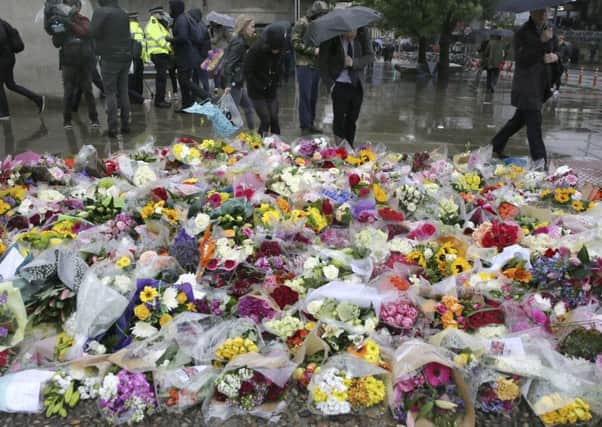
578,206
459,265
545,193
417,257
148,294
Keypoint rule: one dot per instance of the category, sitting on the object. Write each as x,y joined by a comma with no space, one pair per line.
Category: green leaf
583,256
425,410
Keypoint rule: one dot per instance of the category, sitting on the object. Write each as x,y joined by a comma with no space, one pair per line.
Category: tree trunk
422,42
444,43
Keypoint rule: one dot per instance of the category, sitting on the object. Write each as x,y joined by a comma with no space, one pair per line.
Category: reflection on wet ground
406,115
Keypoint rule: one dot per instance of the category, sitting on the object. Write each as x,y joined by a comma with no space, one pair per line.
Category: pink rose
407,323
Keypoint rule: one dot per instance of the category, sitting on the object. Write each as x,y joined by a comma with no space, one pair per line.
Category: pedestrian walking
76,59
136,76
159,50
495,56
262,72
185,37
233,75
308,72
531,87
111,30
220,39
342,63
11,44
483,59
200,76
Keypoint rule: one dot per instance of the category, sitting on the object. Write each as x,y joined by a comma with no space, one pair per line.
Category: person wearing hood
233,76
110,28
199,75
262,73
187,55
308,73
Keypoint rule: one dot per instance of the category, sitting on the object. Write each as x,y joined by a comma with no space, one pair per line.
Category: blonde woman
244,37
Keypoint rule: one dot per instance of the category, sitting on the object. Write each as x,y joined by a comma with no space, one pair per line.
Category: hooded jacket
110,28
187,55
262,66
205,46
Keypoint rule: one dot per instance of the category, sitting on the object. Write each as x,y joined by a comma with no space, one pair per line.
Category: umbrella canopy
518,6
221,19
338,22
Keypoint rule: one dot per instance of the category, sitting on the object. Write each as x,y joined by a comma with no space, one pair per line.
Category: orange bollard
580,77
595,83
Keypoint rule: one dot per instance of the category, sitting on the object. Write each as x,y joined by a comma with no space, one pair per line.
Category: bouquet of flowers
63,391
501,396
126,397
182,388
13,317
346,384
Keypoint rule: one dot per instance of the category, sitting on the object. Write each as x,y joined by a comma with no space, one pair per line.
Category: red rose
283,296
389,214
111,167
274,393
341,153
354,179
159,194
246,388
326,207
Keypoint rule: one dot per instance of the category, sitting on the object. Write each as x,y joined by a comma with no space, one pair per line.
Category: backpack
15,42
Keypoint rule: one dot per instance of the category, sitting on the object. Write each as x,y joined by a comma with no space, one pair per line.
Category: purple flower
3,332
185,250
3,298
255,308
364,207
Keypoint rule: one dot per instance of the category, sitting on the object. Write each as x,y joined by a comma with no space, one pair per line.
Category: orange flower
400,283
518,273
467,197
283,205
508,210
449,301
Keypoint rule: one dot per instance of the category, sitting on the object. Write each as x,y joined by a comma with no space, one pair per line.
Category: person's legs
71,86
340,107
490,87
123,96
161,68
304,80
96,79
197,92
110,73
86,88
135,82
12,85
4,110
355,106
263,112
204,79
173,75
513,125
537,147
315,93
185,83
274,107
495,77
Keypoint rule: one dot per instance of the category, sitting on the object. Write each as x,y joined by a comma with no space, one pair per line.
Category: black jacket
187,56
532,82
262,67
205,46
234,57
7,57
332,56
110,28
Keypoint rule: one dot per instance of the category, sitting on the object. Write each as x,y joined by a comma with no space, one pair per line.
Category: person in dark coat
342,63
186,54
7,77
199,75
531,86
110,28
233,75
262,70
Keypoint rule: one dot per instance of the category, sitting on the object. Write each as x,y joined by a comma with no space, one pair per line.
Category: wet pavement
404,114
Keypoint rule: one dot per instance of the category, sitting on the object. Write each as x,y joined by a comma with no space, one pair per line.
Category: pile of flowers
206,258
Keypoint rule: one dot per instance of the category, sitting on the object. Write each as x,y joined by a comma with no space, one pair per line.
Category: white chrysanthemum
330,272
144,175
311,263
123,284
109,387
542,303
403,246
49,195
169,298
144,330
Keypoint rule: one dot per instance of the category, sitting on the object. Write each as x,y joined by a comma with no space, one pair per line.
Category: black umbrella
221,19
518,6
340,21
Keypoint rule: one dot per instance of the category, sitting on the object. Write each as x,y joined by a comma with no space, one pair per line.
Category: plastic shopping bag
228,106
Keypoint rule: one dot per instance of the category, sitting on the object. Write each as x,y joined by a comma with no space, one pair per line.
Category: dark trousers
136,83
308,79
532,119
77,81
96,80
162,67
7,79
346,104
190,91
115,78
493,74
201,78
267,111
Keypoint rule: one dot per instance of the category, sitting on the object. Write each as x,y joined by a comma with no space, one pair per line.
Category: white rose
50,196
411,207
559,309
123,284
403,246
428,253
311,263
314,307
144,175
201,221
330,272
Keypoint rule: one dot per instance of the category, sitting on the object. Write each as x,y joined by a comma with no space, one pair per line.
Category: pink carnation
437,374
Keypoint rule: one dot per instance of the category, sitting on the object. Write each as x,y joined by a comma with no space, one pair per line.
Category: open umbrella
518,6
221,19
338,22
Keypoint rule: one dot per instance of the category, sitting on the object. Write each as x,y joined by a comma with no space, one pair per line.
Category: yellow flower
416,257
297,215
354,161
319,395
165,319
182,298
148,294
459,265
228,149
367,156
4,207
123,262
300,161
191,307
379,194
147,211
310,326
462,360
2,247
142,312
545,193
270,217
506,389
577,205
171,215
207,144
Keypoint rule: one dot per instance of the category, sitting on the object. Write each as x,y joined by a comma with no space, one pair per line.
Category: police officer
136,78
159,51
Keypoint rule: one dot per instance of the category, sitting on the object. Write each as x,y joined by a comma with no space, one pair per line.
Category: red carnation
246,388
341,153
327,208
389,214
111,167
159,194
354,179
283,295
274,393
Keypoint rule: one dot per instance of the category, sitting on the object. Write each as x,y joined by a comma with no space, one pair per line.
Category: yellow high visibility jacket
138,35
156,35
